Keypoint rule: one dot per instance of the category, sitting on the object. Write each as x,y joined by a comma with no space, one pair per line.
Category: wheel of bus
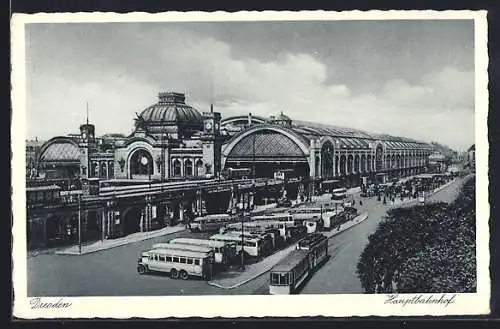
184,275
174,274
142,269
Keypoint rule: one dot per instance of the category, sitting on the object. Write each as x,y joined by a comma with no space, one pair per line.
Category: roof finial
87,113
211,108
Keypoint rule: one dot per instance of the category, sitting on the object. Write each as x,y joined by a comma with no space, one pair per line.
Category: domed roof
171,108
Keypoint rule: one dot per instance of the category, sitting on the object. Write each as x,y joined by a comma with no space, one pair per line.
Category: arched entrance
199,168
327,160
269,150
132,220
141,164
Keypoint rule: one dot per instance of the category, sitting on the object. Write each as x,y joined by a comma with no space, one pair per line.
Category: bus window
162,258
190,261
196,262
284,279
39,196
275,278
151,257
175,259
156,257
168,259
182,260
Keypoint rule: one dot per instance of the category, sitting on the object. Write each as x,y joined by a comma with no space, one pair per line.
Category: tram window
189,261
175,259
274,278
39,196
168,258
196,262
183,260
284,278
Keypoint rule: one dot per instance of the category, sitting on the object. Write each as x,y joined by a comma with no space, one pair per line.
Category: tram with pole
289,274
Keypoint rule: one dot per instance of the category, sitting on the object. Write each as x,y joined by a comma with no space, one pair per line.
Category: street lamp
242,215
79,225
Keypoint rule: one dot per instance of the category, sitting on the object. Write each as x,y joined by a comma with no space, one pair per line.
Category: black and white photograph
294,164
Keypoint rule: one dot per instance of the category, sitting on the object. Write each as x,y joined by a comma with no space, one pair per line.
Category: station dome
171,109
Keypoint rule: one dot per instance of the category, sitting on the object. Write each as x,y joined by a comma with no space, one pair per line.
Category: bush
425,248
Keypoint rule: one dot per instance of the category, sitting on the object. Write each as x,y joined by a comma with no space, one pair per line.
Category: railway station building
174,141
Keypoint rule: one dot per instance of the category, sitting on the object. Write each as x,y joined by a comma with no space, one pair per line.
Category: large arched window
327,160
388,161
176,168
317,165
342,165
104,170
363,163
379,156
336,165
94,169
349,164
369,163
356,163
141,163
188,168
111,171
199,167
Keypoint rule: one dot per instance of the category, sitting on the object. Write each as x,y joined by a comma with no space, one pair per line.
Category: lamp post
242,215
79,225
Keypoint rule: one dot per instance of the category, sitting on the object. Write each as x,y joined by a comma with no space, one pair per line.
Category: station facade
174,141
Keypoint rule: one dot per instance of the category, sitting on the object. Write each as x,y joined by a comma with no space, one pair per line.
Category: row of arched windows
346,164
187,168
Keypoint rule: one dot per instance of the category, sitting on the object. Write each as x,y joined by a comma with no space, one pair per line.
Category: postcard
250,164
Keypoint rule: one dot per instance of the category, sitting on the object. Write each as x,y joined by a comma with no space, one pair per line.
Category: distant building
32,150
438,162
471,155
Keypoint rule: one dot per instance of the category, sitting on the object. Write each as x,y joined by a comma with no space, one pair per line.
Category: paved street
338,275
113,272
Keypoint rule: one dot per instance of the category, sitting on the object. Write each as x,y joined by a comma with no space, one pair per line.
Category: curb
119,244
253,277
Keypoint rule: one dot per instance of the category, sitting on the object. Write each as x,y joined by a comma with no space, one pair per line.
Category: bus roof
231,237
201,242
179,246
43,188
290,261
179,253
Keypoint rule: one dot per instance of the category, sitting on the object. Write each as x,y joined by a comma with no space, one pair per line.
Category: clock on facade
208,125
84,136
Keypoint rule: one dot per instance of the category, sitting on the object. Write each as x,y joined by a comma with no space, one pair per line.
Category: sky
405,78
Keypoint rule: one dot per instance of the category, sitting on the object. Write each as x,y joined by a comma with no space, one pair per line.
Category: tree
425,248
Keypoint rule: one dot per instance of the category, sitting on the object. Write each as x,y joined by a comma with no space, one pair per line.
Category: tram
42,195
288,275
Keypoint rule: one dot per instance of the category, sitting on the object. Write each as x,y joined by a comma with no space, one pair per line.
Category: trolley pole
79,225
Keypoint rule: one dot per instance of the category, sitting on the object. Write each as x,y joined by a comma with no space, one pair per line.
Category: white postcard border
245,306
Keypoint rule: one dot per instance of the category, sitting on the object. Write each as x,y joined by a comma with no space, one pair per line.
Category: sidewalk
112,243
235,278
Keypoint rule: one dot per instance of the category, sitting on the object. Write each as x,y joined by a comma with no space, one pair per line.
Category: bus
42,195
178,263
252,245
237,173
187,247
211,223
263,229
288,275
339,193
265,236
224,252
283,174
303,213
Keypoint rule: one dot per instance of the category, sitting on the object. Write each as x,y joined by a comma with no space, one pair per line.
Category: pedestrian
360,202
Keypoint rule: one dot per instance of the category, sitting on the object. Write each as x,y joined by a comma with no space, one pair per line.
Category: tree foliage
424,248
